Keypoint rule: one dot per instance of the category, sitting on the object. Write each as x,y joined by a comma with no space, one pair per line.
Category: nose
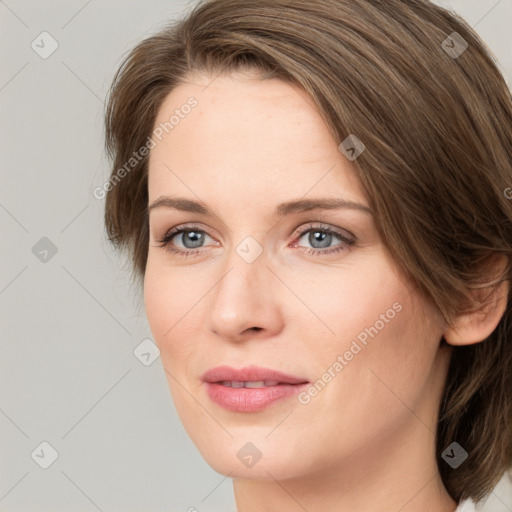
246,301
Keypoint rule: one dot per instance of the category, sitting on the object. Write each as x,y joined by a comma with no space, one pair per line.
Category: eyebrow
282,209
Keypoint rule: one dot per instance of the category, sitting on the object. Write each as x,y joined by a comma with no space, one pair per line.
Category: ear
477,325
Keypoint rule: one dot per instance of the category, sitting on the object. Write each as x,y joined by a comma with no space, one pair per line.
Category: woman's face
265,280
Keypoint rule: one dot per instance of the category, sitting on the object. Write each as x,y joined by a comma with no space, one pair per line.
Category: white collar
467,505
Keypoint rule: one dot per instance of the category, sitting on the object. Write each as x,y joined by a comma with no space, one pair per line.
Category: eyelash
165,241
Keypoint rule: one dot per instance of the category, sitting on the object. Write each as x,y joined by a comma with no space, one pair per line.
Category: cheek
159,302
338,305
386,363
170,303
372,321
172,311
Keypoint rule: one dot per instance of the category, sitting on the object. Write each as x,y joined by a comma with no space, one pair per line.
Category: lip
249,373
250,399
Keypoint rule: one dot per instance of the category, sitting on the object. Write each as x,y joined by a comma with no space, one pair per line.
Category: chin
260,459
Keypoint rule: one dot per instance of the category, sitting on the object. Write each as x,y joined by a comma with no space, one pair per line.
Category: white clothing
467,505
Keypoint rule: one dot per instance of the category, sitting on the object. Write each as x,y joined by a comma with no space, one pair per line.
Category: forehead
257,132
241,104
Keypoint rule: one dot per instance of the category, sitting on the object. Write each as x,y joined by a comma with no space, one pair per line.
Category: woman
314,197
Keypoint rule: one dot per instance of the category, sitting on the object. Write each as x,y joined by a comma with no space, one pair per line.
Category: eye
320,238
192,237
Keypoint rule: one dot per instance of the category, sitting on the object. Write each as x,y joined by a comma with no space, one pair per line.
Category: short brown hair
436,120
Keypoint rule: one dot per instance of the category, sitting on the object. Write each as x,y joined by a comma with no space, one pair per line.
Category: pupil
320,236
196,242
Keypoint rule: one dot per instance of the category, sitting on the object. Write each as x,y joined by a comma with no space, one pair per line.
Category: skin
368,437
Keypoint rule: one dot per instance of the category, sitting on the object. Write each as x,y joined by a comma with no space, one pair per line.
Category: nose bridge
243,297
245,273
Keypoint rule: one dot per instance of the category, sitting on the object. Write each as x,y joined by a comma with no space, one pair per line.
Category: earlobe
476,326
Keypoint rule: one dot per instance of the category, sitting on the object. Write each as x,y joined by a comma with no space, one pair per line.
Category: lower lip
251,399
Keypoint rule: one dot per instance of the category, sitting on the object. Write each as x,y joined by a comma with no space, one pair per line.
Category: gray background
70,323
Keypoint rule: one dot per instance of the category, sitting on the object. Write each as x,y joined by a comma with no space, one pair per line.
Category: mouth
249,384
250,389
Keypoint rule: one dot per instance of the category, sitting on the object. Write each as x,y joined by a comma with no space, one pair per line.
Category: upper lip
249,373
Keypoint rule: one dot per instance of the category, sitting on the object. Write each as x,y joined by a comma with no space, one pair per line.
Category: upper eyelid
321,226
